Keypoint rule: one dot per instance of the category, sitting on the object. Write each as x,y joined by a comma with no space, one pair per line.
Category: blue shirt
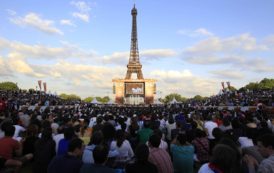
182,158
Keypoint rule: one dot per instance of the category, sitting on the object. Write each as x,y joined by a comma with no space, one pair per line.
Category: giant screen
134,88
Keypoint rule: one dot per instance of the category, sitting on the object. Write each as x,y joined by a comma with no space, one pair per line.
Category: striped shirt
267,165
161,159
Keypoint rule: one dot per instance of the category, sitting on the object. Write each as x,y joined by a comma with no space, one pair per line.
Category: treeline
265,84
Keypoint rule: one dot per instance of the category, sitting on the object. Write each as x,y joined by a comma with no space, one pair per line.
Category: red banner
228,85
39,83
223,85
45,86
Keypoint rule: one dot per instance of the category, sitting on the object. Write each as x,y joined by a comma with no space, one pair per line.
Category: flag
223,85
45,86
39,83
228,85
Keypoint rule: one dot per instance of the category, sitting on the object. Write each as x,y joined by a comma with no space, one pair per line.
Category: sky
189,47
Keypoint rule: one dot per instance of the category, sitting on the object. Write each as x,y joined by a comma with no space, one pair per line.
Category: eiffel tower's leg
128,76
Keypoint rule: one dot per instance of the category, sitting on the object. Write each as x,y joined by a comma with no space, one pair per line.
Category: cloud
45,52
184,82
83,10
4,68
157,53
11,12
230,74
82,16
81,6
122,58
67,22
35,21
237,51
200,32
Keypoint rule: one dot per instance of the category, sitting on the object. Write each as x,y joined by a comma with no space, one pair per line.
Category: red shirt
2,105
8,146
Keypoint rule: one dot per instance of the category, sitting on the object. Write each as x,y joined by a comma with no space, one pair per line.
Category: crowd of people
78,137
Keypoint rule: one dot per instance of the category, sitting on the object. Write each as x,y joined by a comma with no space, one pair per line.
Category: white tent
110,102
94,101
157,102
173,101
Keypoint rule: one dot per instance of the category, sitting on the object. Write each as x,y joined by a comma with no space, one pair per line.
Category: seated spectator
163,143
95,140
145,133
100,155
201,145
159,156
44,151
222,158
63,143
30,139
70,162
266,148
141,165
182,153
124,149
10,146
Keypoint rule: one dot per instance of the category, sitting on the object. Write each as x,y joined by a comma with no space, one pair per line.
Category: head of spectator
170,119
146,123
217,133
222,158
69,133
154,141
200,133
75,147
9,129
182,138
142,153
97,138
120,137
46,134
265,145
32,130
100,154
108,131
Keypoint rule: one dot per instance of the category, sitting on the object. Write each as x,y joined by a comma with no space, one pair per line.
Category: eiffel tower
134,65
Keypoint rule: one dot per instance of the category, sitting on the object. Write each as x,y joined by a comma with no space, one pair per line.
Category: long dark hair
120,137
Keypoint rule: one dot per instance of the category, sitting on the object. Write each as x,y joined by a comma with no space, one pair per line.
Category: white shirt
57,139
245,142
124,150
18,129
210,125
169,128
205,169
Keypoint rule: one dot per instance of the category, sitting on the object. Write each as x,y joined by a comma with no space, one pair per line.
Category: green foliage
88,99
263,84
232,88
99,99
103,100
10,86
70,97
198,98
170,97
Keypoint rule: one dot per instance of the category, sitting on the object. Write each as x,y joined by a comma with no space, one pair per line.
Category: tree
170,97
266,83
71,97
9,86
198,98
263,84
88,99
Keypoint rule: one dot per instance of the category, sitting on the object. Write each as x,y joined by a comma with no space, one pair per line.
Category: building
134,90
